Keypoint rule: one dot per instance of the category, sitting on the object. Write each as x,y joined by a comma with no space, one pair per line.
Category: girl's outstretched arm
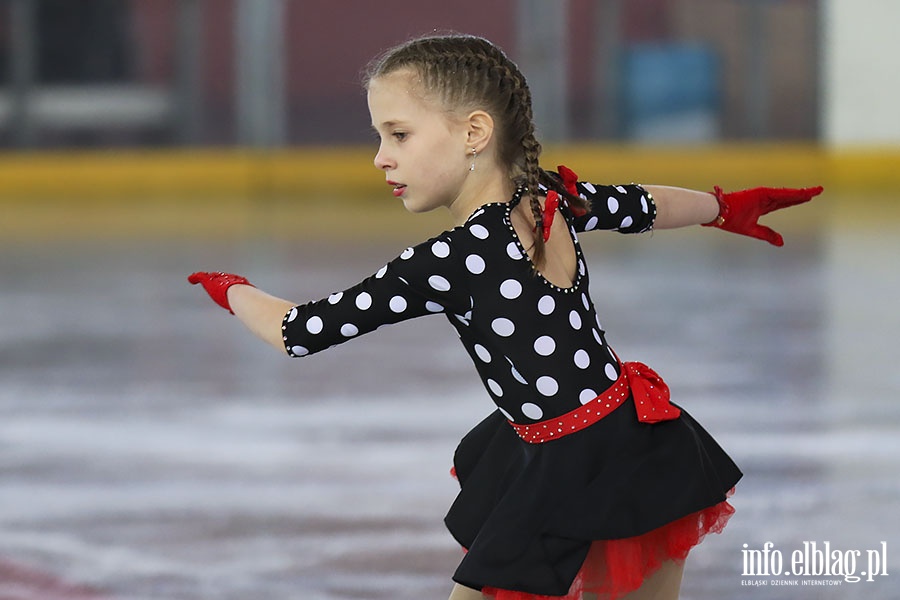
426,279
262,313
736,212
679,207
627,209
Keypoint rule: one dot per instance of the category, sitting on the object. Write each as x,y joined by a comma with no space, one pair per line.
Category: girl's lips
399,188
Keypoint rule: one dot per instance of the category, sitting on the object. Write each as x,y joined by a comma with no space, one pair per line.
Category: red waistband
651,401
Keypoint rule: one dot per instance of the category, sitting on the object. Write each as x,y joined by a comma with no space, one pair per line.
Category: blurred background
197,73
149,448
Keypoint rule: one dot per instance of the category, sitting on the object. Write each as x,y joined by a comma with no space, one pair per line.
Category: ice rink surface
151,449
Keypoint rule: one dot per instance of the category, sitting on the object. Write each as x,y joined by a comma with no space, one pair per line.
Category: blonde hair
469,72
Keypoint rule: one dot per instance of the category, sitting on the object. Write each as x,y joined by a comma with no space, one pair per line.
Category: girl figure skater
586,481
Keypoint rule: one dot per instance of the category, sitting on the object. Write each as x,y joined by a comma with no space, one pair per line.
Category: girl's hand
217,284
739,212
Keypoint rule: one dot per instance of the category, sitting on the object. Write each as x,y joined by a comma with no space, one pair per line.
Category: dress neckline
579,259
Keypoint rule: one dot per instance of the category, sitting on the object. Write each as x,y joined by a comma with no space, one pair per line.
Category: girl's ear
479,129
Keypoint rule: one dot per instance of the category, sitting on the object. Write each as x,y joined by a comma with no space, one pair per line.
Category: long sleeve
424,279
622,208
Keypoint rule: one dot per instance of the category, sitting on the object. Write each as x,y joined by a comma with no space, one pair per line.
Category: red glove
739,212
217,284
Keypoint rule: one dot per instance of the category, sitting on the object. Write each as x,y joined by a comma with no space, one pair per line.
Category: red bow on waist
569,179
650,393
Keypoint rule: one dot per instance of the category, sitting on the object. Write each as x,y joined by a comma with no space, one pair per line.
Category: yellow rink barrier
177,191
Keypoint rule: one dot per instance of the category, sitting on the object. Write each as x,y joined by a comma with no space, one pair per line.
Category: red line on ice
19,582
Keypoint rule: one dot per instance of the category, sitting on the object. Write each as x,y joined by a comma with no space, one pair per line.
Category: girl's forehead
399,91
402,82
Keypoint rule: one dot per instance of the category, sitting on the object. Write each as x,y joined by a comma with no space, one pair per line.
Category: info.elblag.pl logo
813,560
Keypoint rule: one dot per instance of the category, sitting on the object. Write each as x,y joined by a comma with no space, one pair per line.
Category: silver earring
474,156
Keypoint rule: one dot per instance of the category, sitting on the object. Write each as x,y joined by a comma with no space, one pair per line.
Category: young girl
586,482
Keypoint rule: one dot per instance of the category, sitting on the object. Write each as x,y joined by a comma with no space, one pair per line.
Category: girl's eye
400,135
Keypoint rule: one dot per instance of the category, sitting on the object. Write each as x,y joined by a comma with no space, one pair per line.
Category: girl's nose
382,162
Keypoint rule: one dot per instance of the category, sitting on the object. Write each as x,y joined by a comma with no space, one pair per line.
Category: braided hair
470,73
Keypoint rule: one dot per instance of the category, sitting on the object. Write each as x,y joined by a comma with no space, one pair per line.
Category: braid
533,174
468,72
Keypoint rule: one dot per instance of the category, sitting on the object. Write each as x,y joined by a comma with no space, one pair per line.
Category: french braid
467,73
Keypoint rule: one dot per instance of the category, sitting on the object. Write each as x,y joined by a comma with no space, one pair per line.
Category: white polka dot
397,304
461,319
506,414
586,396
586,302
547,385
610,372
612,204
299,350
589,187
407,254
479,231
495,387
292,315
621,190
575,319
482,353
581,268
433,307
597,337
510,289
381,272
349,330
335,298
626,222
546,305
439,283
545,345
591,223
440,249
644,207
512,249
364,301
582,359
314,325
475,264
503,327
532,411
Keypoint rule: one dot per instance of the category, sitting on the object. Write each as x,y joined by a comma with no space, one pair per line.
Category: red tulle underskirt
614,568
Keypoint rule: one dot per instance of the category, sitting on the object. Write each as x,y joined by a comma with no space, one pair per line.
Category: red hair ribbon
569,181
550,206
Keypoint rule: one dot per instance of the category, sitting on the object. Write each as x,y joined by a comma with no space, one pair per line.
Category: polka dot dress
529,513
539,349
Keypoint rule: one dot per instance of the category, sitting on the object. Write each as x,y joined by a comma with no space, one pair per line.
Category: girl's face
423,151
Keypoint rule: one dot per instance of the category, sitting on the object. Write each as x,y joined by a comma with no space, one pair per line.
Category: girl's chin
414,208
411,205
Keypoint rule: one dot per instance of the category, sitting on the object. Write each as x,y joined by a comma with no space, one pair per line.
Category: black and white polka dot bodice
539,349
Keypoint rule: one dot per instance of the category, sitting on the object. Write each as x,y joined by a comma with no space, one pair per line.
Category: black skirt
528,513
